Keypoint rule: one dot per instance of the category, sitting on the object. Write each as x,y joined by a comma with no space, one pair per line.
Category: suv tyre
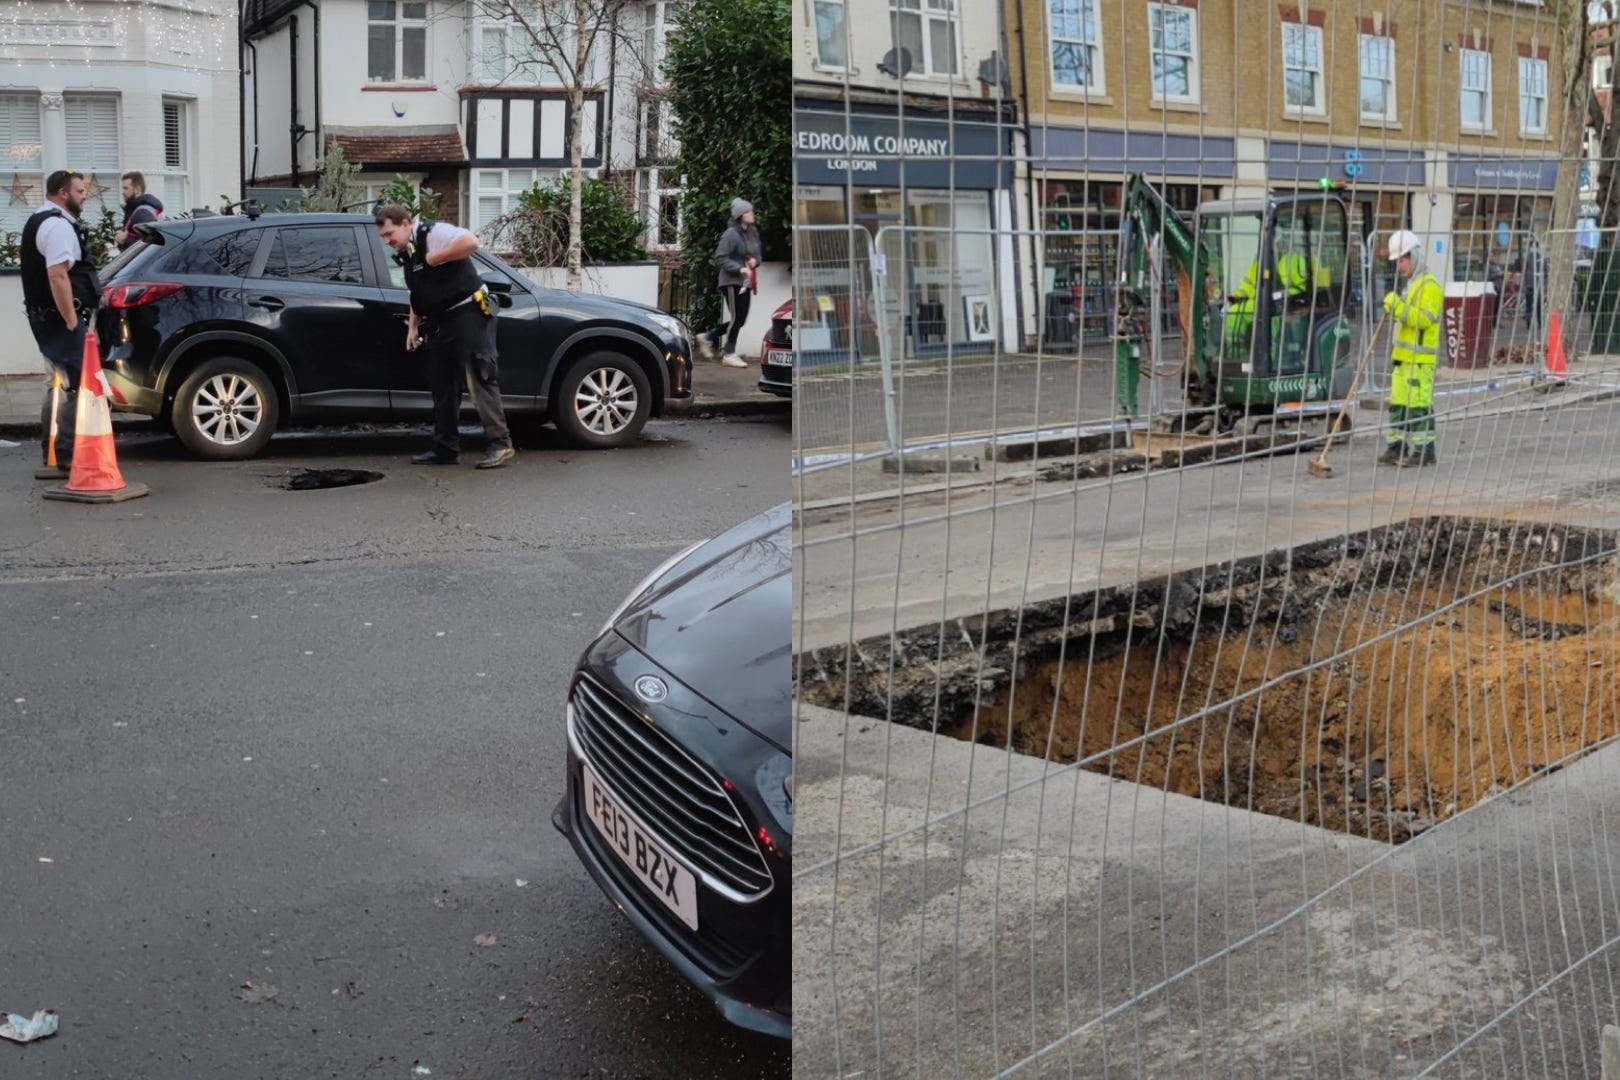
603,400
226,410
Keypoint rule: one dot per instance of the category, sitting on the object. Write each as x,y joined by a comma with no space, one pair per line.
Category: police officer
453,321
60,293
1415,312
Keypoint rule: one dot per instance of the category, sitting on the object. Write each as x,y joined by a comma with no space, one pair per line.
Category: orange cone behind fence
94,475
1557,362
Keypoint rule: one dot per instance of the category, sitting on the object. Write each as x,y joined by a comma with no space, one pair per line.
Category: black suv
227,327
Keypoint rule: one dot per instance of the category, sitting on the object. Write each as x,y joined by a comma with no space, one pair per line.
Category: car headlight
671,325
630,597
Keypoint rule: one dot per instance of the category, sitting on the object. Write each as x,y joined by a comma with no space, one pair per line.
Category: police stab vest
435,289
36,282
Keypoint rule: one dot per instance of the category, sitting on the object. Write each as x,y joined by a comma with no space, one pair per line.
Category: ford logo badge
651,689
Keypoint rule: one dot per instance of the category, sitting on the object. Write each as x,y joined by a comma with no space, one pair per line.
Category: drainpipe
241,101
613,86
292,123
315,49
1036,224
253,168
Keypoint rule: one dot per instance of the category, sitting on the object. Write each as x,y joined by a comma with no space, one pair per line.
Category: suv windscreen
315,253
124,265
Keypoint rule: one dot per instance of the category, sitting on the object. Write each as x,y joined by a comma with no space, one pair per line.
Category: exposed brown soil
1391,737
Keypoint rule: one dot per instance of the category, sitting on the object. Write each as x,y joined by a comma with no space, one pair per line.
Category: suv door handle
269,303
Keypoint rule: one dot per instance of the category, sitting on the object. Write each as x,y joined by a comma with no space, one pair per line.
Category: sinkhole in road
321,479
1376,683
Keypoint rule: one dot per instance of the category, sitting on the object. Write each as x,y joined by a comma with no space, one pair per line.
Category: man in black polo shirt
453,320
60,293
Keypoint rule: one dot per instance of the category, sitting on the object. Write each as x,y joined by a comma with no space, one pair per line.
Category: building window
658,142
927,30
176,178
508,54
396,40
21,155
1476,89
832,34
655,39
660,201
1302,69
1377,78
92,146
1532,96
1602,72
1173,40
495,192
1076,56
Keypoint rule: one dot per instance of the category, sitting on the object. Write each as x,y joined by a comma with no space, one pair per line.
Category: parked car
680,789
776,353
228,327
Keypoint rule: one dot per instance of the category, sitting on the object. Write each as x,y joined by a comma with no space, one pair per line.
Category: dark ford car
776,354
228,327
680,791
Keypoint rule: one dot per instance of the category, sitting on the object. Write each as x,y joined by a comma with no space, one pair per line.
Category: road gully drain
318,479
1375,683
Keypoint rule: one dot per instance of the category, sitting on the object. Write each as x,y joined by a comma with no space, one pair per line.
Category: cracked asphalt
273,763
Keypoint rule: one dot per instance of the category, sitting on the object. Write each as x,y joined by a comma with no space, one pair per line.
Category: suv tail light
138,293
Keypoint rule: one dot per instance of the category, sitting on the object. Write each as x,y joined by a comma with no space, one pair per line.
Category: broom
1318,465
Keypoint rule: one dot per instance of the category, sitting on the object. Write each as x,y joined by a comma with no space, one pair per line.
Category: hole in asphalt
1376,683
317,479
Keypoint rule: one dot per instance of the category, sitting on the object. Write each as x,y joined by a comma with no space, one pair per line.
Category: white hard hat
1403,242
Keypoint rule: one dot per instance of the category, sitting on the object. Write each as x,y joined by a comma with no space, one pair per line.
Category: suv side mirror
496,285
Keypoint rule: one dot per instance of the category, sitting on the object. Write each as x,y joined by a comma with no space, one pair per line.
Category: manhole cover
315,479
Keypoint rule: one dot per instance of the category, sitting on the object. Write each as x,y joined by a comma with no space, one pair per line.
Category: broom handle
1355,381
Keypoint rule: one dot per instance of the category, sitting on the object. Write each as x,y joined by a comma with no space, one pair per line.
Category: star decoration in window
19,189
93,188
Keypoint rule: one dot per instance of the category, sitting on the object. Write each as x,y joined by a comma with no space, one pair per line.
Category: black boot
1413,459
1391,454
433,457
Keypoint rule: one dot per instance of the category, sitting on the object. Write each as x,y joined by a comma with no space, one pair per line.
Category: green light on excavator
1326,184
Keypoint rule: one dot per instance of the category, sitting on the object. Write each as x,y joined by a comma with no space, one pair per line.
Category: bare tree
563,39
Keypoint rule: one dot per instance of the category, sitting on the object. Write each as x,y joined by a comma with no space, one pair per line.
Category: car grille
671,793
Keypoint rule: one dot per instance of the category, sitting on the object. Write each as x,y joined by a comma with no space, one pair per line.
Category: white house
448,98
105,88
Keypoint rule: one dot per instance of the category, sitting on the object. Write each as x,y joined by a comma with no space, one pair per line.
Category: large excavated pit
1376,683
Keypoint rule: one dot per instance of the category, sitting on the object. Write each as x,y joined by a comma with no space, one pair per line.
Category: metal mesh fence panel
1142,728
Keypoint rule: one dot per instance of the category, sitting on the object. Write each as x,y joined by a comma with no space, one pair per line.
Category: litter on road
22,1029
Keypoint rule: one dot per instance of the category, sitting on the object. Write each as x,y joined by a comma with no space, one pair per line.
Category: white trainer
733,360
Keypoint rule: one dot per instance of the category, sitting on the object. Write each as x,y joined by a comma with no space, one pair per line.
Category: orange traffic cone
1557,362
53,470
94,475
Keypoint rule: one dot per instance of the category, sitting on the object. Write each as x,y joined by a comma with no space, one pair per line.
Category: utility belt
47,312
481,298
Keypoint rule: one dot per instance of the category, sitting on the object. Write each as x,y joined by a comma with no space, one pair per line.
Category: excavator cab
1277,333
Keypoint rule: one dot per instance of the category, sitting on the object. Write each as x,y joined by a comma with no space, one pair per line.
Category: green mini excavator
1261,290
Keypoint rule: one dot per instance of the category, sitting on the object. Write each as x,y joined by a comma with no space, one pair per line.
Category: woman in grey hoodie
737,256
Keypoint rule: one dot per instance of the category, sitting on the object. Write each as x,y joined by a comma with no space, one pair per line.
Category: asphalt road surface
272,763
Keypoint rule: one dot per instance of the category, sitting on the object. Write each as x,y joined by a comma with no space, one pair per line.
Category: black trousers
459,350
64,349
735,299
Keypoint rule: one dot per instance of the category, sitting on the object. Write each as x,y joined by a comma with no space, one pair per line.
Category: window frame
180,172
653,186
522,72
928,12
1391,113
821,61
1463,90
267,250
1319,82
1089,13
1194,94
508,192
399,23
655,39
27,122
1604,63
1524,97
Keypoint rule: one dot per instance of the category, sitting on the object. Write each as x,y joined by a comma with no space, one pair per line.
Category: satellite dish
896,63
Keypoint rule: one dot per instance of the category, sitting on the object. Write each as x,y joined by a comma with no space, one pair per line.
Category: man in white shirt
453,320
61,291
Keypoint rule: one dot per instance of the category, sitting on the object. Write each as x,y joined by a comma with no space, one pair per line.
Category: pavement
275,762
718,391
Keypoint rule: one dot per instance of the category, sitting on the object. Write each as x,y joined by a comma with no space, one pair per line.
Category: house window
508,54
655,38
832,34
1532,96
1377,78
21,155
176,178
1076,56
1173,40
495,192
1476,89
660,202
1302,69
396,40
92,146
658,141
1602,72
927,30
